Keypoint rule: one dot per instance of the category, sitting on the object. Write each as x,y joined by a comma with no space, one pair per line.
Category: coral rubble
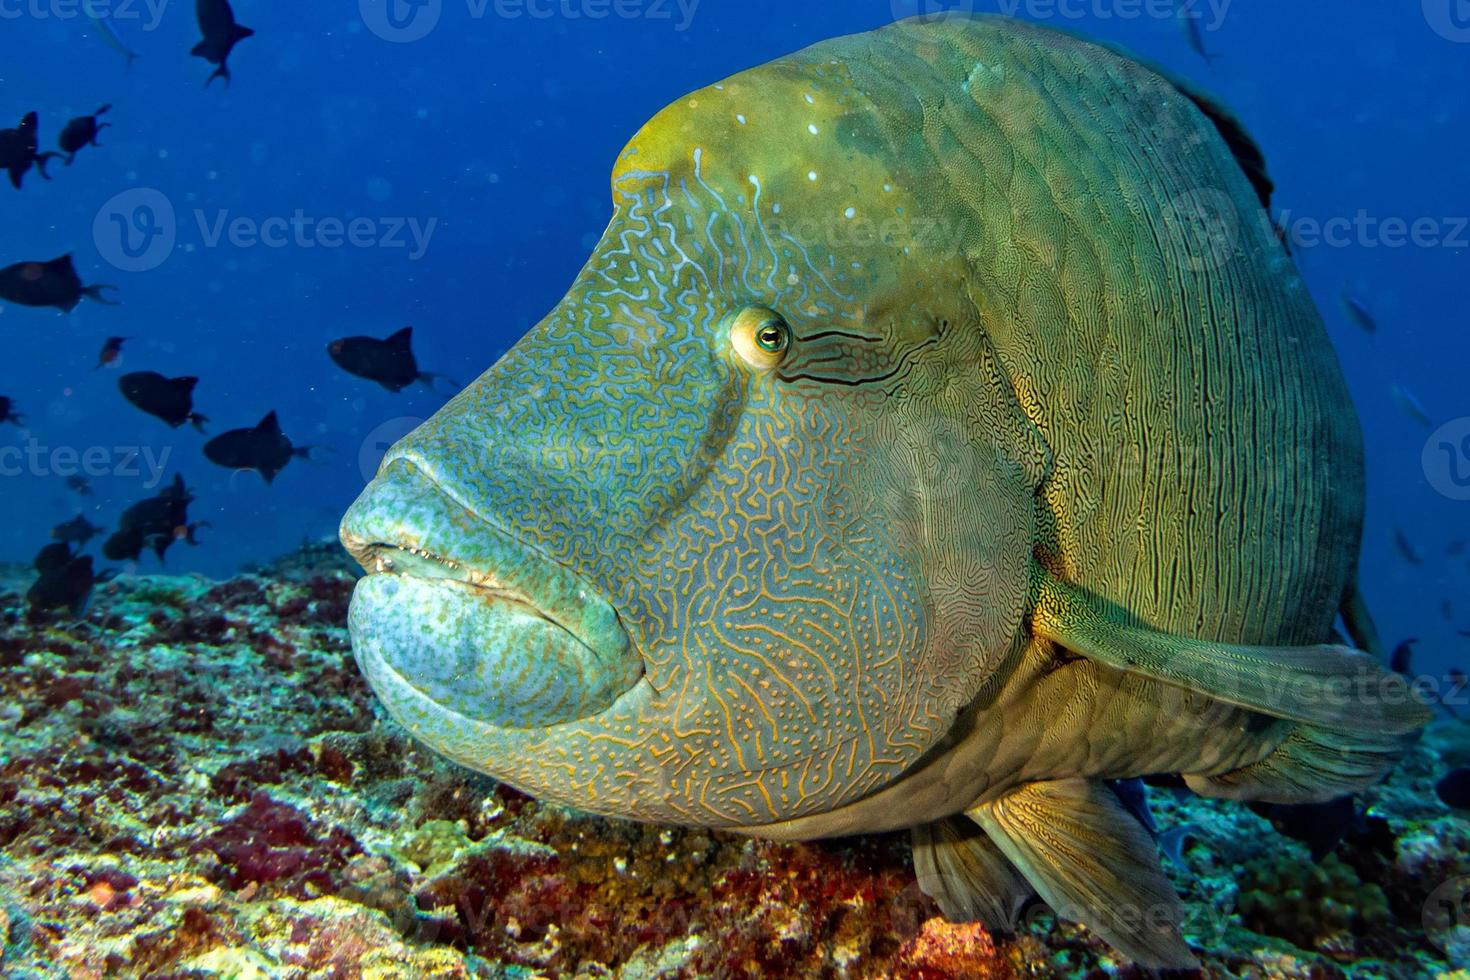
195,782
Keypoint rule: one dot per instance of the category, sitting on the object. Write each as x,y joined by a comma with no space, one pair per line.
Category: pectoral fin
1092,862
962,869
1334,687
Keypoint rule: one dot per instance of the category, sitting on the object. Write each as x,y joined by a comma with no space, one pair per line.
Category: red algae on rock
195,782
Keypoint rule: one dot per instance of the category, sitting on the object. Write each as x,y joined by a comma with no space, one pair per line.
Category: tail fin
198,421
427,379
94,293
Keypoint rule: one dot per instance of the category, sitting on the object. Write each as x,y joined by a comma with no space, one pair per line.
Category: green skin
666,575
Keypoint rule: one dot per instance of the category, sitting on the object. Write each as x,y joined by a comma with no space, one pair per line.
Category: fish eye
761,337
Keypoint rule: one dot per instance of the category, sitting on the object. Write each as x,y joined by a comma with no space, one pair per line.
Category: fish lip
555,593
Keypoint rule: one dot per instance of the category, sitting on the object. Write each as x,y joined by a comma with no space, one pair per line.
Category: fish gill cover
971,501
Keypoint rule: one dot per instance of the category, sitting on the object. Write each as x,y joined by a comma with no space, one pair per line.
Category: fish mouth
457,610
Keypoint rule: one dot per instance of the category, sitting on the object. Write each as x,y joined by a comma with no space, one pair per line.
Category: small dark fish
264,448
104,27
221,33
1358,313
1321,826
1189,26
1454,548
1405,547
18,150
389,362
1454,789
155,522
52,557
79,484
77,531
53,283
1133,794
1410,405
169,399
66,581
8,412
111,351
81,131
1401,661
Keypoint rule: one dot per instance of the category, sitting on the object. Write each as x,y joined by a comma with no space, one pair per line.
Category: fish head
734,533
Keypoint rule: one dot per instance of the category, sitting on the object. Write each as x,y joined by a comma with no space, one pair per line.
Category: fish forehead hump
1208,471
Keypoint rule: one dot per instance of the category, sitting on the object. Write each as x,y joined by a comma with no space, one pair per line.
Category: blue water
495,135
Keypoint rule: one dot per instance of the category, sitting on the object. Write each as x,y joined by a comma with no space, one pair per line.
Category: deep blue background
503,130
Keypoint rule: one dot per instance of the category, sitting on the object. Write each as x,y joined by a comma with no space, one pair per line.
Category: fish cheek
951,473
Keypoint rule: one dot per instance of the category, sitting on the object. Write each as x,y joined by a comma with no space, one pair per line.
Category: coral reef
194,782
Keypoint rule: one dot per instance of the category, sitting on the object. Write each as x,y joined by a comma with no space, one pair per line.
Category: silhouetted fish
1410,405
1358,313
111,350
52,557
66,580
53,283
221,34
1454,789
80,485
77,531
170,399
155,522
81,131
389,362
18,150
263,448
1405,547
109,35
1456,547
8,412
1318,825
1189,26
1133,794
1402,659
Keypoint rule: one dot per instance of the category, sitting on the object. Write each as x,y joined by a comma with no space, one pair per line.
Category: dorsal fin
402,339
1238,140
269,423
1243,146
